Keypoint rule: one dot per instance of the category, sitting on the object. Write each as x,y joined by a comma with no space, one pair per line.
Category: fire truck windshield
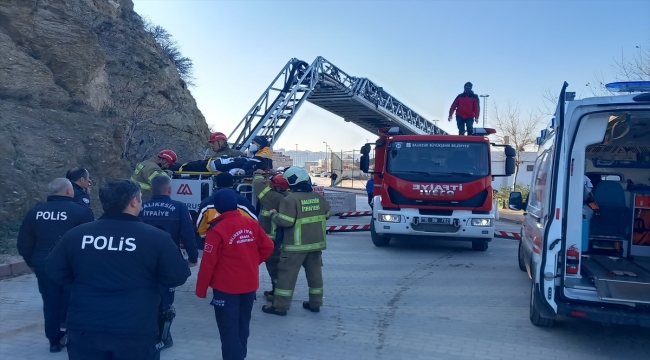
443,160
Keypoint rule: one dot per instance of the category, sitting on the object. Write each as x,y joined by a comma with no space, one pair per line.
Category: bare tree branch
517,130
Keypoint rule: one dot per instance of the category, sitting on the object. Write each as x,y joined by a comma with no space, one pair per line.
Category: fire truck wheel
522,265
535,317
377,239
479,245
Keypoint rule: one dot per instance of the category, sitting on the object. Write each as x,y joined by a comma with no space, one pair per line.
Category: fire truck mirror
510,165
365,149
364,163
510,151
515,202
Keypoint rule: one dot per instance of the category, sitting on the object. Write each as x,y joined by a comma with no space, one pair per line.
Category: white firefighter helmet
295,175
280,169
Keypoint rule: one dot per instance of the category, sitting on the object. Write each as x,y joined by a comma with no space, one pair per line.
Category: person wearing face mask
219,145
260,155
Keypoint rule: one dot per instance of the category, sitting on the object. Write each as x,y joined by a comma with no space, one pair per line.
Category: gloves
449,118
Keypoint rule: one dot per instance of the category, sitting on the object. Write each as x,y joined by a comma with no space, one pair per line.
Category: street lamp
326,165
296,155
484,107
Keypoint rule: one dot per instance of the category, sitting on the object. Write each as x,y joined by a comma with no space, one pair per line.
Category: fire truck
438,186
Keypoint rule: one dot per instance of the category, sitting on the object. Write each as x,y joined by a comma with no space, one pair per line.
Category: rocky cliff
82,83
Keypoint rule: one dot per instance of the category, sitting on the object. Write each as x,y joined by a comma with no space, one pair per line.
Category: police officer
270,193
116,265
80,179
146,170
302,214
43,225
173,217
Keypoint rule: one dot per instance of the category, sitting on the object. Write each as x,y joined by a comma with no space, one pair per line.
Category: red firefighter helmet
217,136
168,155
279,181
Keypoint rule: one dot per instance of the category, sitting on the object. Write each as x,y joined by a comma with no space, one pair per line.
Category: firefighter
302,214
207,211
466,106
43,225
116,265
270,193
219,145
146,170
173,217
80,179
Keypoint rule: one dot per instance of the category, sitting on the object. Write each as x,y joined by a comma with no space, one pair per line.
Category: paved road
413,300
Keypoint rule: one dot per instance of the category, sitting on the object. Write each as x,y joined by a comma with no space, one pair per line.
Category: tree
184,65
517,130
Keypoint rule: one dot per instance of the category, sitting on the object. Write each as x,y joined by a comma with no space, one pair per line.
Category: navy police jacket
174,217
116,266
80,196
45,223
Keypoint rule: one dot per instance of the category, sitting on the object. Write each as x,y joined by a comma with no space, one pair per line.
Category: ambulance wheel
377,239
535,317
522,264
479,245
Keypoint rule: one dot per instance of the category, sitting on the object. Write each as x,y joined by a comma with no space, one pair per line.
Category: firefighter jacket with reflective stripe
145,171
207,212
268,199
303,215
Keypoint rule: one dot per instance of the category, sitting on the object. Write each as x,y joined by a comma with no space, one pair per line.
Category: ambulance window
538,186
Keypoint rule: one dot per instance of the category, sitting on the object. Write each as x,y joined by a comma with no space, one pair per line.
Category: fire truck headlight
390,218
481,222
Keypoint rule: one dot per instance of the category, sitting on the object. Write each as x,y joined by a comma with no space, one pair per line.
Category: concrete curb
13,269
350,190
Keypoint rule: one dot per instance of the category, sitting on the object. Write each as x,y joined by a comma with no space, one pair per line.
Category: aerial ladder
355,99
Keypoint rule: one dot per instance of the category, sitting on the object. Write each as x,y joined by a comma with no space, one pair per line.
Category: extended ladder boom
357,100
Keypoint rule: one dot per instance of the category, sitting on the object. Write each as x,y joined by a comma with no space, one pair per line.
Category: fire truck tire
520,256
480,245
377,239
535,317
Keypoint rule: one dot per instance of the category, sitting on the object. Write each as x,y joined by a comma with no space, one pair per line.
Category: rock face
82,83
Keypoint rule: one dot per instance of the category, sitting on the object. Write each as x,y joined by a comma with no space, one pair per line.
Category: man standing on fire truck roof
219,145
146,170
467,110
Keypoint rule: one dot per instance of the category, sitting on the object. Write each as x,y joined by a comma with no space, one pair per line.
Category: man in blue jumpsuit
173,217
116,265
43,225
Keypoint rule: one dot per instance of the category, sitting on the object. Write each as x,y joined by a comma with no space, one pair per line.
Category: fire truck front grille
435,228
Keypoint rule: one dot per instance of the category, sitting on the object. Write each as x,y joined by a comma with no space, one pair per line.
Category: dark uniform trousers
166,297
465,122
53,311
233,315
288,269
87,345
272,266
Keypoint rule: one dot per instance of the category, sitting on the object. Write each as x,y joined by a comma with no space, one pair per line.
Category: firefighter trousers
288,269
272,266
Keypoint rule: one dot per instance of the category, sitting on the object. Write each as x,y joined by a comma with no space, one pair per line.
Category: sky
420,52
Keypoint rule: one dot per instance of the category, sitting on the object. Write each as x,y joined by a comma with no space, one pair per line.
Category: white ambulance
586,234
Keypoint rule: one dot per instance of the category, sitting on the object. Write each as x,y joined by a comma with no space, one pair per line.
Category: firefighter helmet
217,136
296,175
279,181
168,155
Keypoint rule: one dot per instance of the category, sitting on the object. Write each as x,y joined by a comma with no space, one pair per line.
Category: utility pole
484,107
326,166
296,155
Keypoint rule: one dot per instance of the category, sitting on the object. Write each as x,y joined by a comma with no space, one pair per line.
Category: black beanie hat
225,200
224,180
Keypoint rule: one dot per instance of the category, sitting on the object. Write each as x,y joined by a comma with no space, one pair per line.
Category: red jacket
235,246
466,106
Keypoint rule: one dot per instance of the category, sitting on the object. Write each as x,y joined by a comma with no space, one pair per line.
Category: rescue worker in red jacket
235,246
270,193
467,110
302,214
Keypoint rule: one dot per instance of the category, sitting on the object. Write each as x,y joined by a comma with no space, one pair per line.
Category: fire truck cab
438,186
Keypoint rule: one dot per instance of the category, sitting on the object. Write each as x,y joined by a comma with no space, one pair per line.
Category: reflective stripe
263,192
308,247
297,230
271,236
282,292
265,213
138,168
143,186
286,218
153,174
316,291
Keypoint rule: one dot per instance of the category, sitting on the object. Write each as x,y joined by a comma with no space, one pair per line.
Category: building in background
281,160
524,175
